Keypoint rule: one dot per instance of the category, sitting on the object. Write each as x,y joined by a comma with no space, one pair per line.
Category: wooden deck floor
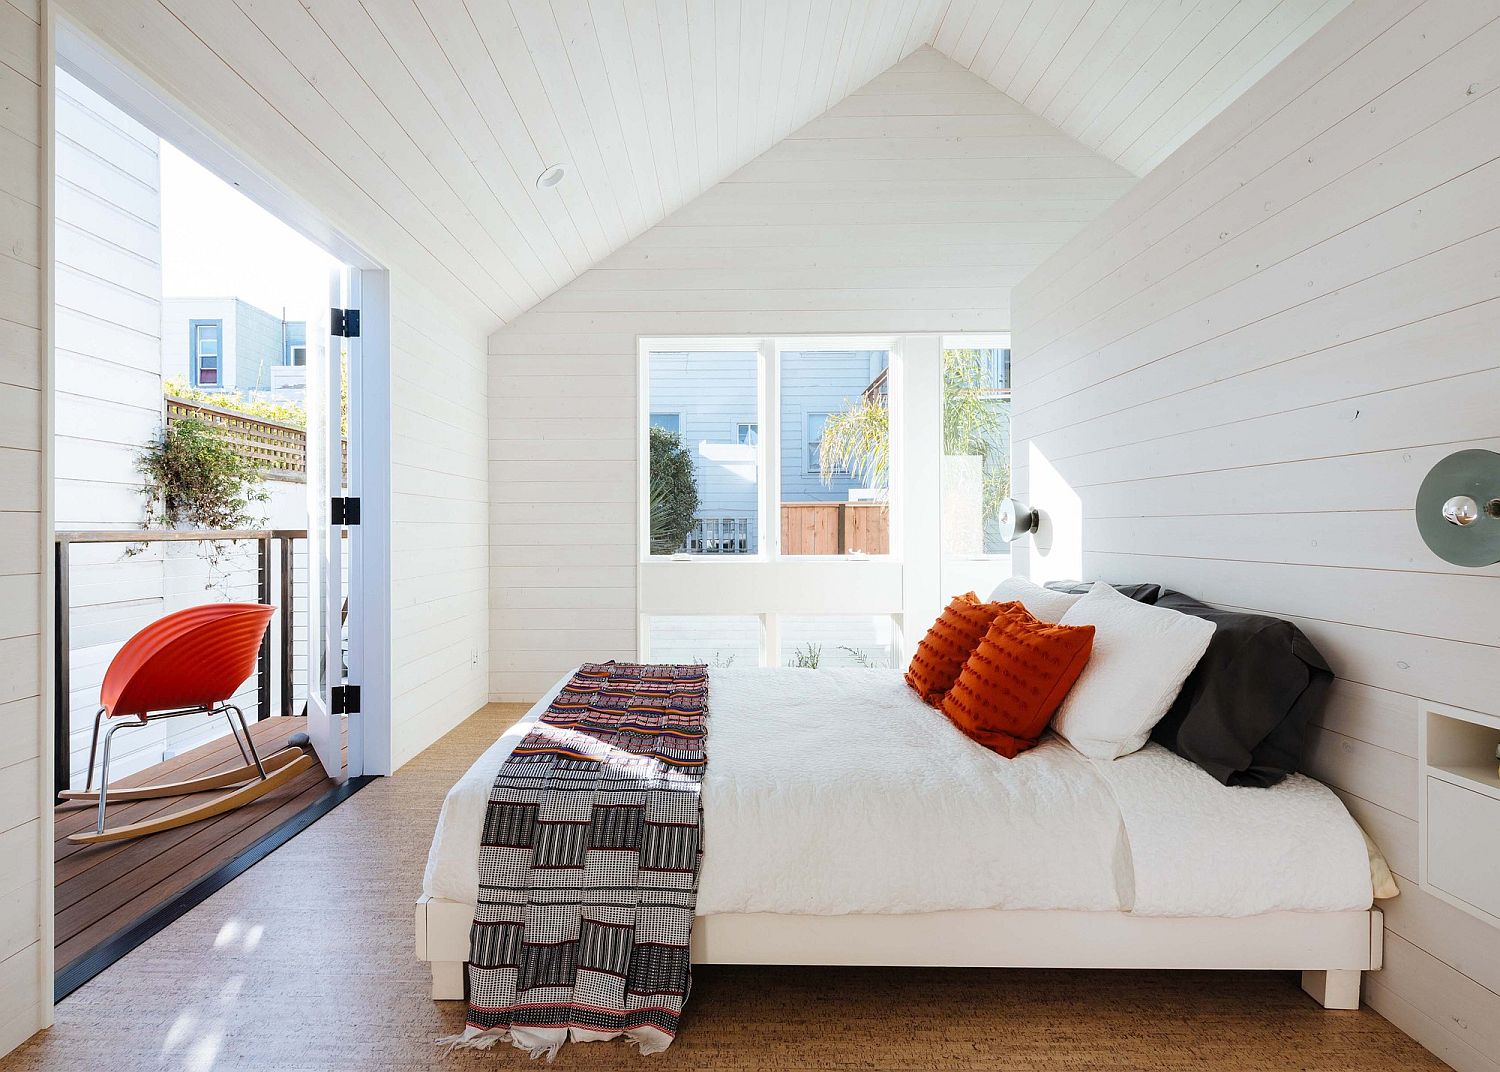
103,889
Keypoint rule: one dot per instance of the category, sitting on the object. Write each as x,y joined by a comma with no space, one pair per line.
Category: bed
846,822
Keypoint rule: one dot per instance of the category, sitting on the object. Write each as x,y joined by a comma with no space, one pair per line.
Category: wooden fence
279,449
835,528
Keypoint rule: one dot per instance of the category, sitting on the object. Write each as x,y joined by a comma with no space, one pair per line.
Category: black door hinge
344,323
346,510
345,700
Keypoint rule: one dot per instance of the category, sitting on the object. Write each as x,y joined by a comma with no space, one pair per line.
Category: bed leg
447,980
1334,989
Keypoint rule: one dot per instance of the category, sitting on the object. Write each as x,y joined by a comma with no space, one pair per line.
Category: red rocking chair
188,663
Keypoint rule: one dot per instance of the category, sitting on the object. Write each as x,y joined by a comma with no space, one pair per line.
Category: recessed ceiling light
551,177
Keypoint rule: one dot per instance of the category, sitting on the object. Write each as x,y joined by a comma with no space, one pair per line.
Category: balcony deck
108,895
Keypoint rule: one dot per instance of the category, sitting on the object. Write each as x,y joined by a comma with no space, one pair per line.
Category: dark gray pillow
1141,593
1242,713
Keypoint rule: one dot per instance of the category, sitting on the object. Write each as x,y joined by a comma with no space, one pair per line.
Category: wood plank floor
103,889
305,962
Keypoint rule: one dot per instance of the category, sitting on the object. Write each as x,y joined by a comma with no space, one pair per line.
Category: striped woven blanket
588,866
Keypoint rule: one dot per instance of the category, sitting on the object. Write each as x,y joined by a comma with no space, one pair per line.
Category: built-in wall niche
1459,807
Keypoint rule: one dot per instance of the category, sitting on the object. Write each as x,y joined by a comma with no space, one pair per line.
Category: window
814,440
667,422
826,642
841,507
296,354
704,638
206,357
703,490
976,447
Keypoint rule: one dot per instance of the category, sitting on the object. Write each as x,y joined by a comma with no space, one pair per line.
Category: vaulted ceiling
1131,79
433,120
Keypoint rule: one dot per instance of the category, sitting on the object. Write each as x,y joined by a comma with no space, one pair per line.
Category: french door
330,512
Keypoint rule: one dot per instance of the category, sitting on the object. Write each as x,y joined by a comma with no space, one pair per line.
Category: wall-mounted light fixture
1016,520
1458,508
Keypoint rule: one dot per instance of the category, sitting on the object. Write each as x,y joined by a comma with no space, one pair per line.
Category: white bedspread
838,791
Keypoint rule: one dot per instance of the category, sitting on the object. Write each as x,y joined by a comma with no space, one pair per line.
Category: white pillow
1142,655
1043,603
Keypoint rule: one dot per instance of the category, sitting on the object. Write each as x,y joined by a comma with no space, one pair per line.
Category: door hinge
346,510
345,699
344,323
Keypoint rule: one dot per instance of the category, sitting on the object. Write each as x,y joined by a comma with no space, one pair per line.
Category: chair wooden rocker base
251,781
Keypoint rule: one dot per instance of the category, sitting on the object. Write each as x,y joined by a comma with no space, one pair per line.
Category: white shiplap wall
439,530
1132,79
25,960
1244,369
915,204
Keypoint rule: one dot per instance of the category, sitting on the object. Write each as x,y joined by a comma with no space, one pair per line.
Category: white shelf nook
1459,808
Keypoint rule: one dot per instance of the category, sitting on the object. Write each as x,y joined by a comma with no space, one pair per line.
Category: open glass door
327,695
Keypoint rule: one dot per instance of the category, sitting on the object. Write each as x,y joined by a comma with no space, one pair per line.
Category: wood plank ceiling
441,115
1131,79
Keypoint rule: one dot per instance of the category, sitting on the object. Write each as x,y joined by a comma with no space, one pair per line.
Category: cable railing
274,582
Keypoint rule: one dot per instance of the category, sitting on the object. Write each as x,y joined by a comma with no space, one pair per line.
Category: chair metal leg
93,747
249,740
234,731
109,737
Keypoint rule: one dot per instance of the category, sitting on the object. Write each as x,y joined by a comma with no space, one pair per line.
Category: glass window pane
667,422
835,452
823,642
976,449
694,638
704,483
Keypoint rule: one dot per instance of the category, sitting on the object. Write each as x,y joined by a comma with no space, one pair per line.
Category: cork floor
305,962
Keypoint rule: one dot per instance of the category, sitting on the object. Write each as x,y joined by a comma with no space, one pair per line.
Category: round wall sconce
1016,520
1458,508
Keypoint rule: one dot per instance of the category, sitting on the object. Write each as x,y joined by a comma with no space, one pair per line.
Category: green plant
195,478
673,492
861,657
719,660
807,656
266,409
857,440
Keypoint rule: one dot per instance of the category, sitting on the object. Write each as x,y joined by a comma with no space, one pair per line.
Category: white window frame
907,584
739,432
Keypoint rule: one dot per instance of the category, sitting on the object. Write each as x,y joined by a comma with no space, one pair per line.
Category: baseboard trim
80,971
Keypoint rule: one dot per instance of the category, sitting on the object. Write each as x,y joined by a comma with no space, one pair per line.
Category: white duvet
838,791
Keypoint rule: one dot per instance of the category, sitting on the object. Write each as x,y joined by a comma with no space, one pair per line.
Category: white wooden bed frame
1330,949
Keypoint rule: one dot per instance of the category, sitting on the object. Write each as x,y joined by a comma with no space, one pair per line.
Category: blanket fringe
474,1039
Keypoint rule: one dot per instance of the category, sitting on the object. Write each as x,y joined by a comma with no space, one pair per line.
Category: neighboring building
227,344
709,398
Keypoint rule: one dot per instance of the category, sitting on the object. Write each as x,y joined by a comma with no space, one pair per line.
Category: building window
296,354
206,352
667,422
747,433
814,439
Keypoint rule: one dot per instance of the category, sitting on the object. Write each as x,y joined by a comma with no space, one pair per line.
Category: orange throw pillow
948,645
1017,677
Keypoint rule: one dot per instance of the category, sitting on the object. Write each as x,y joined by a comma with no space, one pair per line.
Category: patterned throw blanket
588,866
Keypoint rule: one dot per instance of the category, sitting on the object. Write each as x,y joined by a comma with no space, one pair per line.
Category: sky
216,242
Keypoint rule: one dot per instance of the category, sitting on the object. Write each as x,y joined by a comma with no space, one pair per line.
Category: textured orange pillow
949,643
1018,675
